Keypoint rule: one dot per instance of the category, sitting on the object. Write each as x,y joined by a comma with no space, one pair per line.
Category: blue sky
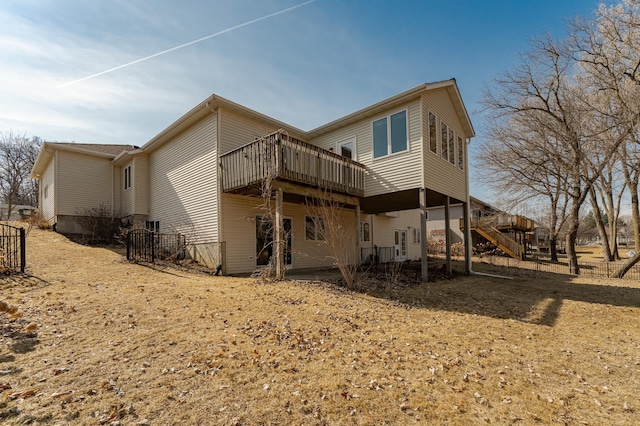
307,66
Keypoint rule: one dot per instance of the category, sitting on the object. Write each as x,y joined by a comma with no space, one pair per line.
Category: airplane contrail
235,27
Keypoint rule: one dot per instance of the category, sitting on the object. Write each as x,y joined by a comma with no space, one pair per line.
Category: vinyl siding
84,182
436,222
392,173
239,227
141,184
128,196
183,183
47,205
237,130
439,174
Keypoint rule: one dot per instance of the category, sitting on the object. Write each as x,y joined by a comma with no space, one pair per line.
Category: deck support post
467,238
424,264
358,259
447,232
278,237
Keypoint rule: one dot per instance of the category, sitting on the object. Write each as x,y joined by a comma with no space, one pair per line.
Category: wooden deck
278,156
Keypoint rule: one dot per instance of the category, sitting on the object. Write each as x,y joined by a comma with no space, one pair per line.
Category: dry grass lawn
88,338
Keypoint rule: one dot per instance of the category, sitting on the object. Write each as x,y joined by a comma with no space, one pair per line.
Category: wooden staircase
503,242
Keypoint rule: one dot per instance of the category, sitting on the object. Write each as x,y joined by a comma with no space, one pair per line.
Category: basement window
314,228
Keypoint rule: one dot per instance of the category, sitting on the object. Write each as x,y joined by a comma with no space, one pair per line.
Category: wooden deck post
424,265
467,238
278,237
358,258
447,232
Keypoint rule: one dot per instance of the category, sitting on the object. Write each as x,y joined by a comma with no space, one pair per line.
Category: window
46,191
416,235
452,148
444,130
314,228
346,148
127,177
433,143
460,153
365,232
153,225
390,134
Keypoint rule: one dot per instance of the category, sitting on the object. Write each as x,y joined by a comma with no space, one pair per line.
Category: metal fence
375,255
148,246
13,246
587,269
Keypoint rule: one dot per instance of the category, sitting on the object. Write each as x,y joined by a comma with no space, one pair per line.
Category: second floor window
127,177
390,134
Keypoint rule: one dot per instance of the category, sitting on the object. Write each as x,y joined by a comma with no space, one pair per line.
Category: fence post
153,247
128,245
23,250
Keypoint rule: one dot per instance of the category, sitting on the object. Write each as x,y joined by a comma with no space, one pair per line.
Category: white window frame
389,141
127,177
350,140
416,236
362,233
435,125
461,153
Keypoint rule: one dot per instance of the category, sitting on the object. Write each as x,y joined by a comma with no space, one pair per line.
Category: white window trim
437,120
388,118
354,151
362,226
315,229
128,181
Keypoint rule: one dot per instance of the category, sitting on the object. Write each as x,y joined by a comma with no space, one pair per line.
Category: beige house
385,164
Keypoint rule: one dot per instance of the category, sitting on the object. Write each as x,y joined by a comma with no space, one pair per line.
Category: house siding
47,206
239,227
391,173
237,130
127,195
439,174
184,183
84,182
141,184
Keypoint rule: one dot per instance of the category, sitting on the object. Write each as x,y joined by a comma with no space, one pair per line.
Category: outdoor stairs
502,241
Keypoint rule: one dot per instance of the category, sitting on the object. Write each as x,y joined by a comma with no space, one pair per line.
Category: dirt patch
93,339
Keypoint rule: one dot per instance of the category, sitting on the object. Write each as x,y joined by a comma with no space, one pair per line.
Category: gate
13,257
144,245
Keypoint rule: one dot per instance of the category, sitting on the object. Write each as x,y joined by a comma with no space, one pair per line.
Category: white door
400,245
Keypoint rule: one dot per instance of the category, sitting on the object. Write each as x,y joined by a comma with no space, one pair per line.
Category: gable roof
213,102
100,150
450,85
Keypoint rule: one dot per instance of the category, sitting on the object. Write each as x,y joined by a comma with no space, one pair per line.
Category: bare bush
98,224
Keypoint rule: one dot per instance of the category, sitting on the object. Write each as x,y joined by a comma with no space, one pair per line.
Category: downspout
221,249
467,227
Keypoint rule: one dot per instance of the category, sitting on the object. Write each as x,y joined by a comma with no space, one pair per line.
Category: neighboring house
201,176
18,211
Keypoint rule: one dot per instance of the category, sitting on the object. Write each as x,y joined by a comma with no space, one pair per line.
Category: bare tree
608,51
335,231
544,91
17,156
518,159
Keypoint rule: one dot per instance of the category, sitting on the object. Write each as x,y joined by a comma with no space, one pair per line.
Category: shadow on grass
25,281
532,299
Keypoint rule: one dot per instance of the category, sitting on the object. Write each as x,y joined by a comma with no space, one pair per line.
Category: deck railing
279,156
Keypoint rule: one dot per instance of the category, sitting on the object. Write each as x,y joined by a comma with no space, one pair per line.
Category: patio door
400,242
264,240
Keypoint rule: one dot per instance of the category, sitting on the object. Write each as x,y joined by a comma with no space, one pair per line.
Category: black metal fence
376,255
13,257
587,269
148,246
